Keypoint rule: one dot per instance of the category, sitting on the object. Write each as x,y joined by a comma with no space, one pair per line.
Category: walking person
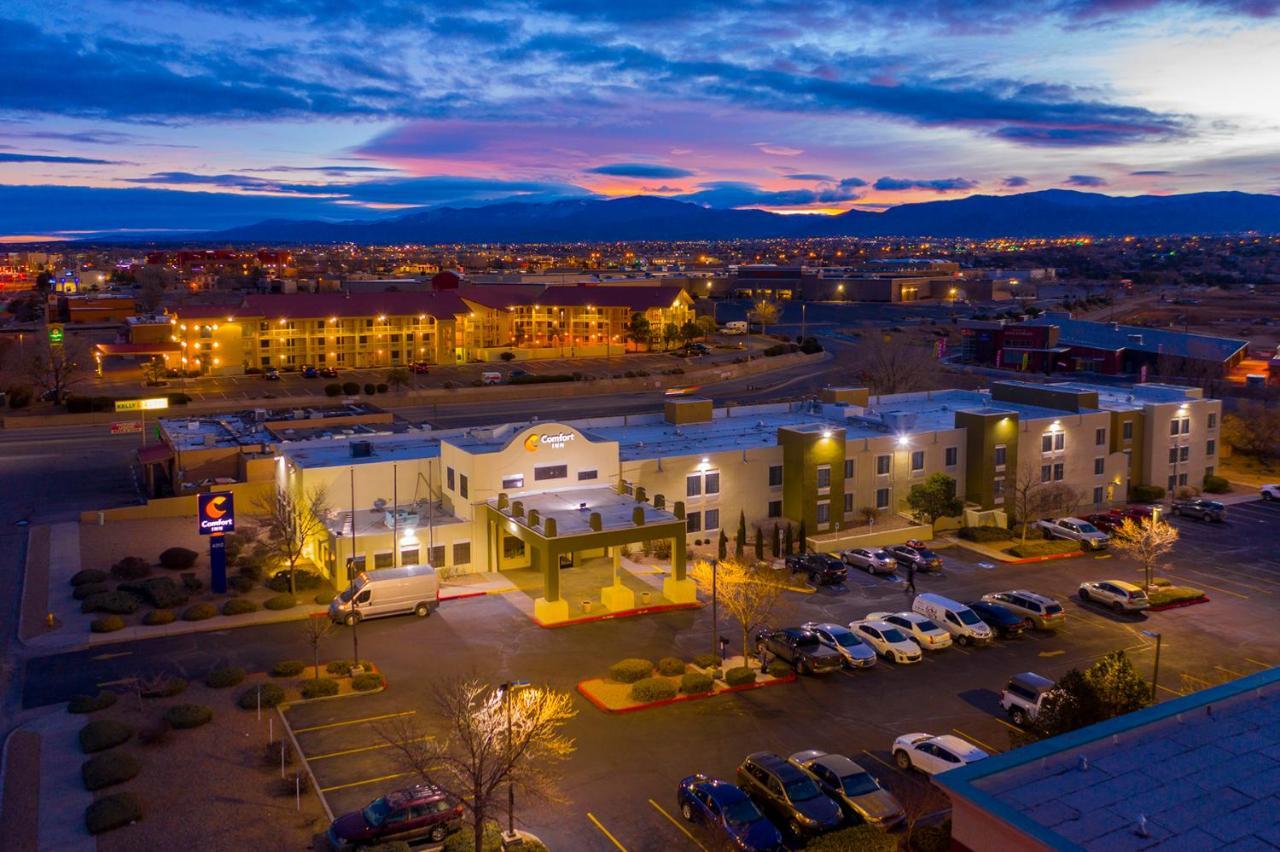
911,578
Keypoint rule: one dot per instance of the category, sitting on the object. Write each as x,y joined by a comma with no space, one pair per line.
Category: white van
735,327
390,591
962,622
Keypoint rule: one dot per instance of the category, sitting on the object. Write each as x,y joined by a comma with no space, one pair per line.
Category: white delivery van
960,621
735,327
491,378
390,591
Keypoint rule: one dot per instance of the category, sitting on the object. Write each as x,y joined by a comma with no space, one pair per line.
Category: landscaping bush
1216,484
706,661
671,666
224,677
178,558
279,602
191,584
115,603
333,389
324,598
695,683
1146,493
85,590
240,584
653,689
88,576
184,716
112,812
106,770
199,612
1050,547
158,617
319,688
342,668
239,606
160,592
18,396
107,624
350,388
931,838
270,693
1168,594
366,682
102,734
740,676
166,688
983,534
91,703
177,398
780,668
370,389
78,404
539,378
131,568
630,670
288,668
857,838
251,567
305,581
382,388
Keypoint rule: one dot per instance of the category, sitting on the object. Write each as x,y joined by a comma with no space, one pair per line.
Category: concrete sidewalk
43,794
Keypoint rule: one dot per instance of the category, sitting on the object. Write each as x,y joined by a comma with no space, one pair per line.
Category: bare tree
749,594
488,742
315,629
290,520
1254,430
766,313
1146,542
894,365
1026,497
1059,498
58,367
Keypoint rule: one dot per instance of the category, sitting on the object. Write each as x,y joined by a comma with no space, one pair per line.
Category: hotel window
448,478
1173,455
584,475
409,556
917,461
693,522
953,456
848,502
1099,494
1184,453
383,560
264,344
1213,420
1126,430
462,486
512,547
693,485
882,498
824,476
1058,471
462,553
437,555
1099,466
1001,455
882,465
775,475
997,488
1208,470
1099,438
1173,483
1182,479
1046,443
711,519
509,482
1046,472
712,483
848,468
628,487
362,339
775,508
553,471
824,512
1210,447
1186,425
266,360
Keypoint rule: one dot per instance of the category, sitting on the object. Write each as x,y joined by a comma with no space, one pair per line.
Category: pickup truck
1205,510
1074,529
801,648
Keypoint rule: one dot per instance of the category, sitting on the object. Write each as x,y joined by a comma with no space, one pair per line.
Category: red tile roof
441,305
502,295
640,297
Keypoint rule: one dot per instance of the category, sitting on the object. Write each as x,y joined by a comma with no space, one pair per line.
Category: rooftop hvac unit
361,449
899,421
402,518
260,414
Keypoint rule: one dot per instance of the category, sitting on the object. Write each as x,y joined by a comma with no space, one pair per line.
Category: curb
1027,560
626,613
1203,599
791,678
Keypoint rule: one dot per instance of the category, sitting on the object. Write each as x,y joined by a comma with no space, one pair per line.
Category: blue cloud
640,170
1014,181
889,184
727,194
1086,180
49,158
810,177
1151,173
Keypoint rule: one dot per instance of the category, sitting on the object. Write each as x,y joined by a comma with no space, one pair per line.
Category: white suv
928,635
1270,492
1023,695
1117,594
932,755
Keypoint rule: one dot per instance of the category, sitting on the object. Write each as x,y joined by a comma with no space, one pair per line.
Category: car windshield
859,784
846,639
802,790
347,594
375,812
806,640
893,634
968,617
1087,528
742,812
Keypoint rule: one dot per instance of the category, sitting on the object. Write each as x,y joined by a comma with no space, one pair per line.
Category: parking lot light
504,692
1155,672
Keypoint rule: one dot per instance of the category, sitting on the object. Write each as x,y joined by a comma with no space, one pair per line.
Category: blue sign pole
218,564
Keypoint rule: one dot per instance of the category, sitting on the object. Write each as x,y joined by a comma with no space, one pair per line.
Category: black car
1006,623
328,372
801,648
1205,510
823,568
918,555
788,795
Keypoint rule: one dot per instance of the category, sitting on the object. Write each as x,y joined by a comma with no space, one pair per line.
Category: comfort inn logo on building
555,442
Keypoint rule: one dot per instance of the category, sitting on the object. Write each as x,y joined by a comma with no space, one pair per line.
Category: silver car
872,561
856,653
1041,612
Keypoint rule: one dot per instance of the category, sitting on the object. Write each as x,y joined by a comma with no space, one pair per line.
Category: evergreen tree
790,541
759,544
803,536
740,540
776,548
723,548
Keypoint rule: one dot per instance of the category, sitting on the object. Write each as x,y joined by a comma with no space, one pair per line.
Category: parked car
801,648
916,554
271,374
515,374
1022,696
963,623
1075,529
420,367
328,372
1037,611
1204,510
728,813
424,812
1270,492
878,561
309,371
1117,594
888,641
855,789
823,569
1108,522
788,795
693,350
856,653
1135,513
933,755
923,630
1006,623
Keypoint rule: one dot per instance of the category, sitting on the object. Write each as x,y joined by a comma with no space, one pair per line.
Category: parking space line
1257,662
673,821
1228,671
1167,689
1219,588
979,743
354,721
1011,727
347,751
365,781
881,762
605,831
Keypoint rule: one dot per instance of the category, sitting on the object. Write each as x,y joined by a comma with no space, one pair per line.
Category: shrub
324,598
305,581
251,567
166,688
350,388
240,584
102,734
191,584
653,689
342,668
178,398
671,666
106,770
279,602
1168,594
199,612
270,693
160,592
85,590
115,603
382,388
931,838
112,812
366,682
630,670
740,676
184,716
1051,547
288,668
107,624
88,576
985,534
333,389
18,396
810,346
1146,493
695,683
178,558
239,606
780,668
319,688
91,703
775,350
370,388
224,677
539,378
159,616
131,568
857,838
706,661
78,404
1216,484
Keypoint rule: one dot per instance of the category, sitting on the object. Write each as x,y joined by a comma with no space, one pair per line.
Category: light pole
1155,672
505,691
715,621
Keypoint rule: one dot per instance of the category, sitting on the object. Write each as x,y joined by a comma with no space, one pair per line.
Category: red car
421,367
1111,520
424,812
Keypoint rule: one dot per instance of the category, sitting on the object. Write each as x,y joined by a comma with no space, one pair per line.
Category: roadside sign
216,512
55,334
126,427
142,404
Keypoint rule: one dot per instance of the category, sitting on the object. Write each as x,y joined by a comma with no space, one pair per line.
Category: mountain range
1047,213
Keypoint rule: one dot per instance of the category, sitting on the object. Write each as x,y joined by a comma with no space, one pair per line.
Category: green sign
55,334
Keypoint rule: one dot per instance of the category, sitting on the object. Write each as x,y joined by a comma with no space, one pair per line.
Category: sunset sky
203,114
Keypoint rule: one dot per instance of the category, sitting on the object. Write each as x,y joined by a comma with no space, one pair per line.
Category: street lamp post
505,691
1155,671
715,621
